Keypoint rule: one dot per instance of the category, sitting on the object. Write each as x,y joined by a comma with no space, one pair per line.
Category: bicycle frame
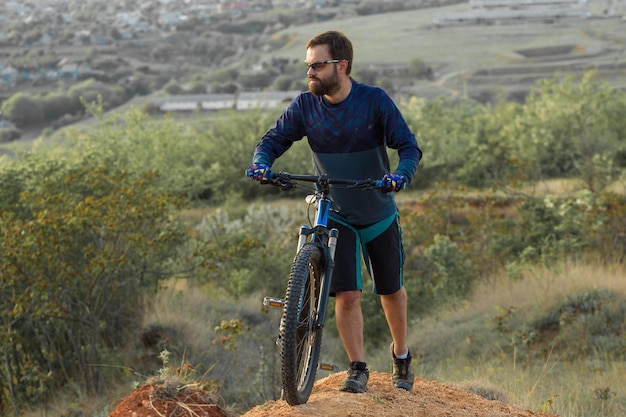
319,233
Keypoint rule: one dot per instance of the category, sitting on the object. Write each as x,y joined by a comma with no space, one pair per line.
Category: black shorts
381,247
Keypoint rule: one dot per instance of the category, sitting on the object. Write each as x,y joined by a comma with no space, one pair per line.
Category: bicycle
306,296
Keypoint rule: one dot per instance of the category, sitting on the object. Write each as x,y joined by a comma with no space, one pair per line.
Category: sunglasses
319,65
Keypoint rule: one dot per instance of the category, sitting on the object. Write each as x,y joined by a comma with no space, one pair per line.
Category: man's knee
401,293
348,299
397,298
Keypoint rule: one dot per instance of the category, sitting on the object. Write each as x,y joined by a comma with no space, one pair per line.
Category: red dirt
427,399
151,401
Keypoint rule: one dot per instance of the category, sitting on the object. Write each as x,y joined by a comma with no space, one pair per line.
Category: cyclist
349,126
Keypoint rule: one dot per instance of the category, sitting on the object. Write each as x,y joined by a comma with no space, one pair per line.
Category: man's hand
393,182
258,172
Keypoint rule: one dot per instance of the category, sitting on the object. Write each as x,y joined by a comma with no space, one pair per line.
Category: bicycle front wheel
300,338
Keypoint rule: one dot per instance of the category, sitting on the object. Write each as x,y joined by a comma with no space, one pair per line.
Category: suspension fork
327,240
322,303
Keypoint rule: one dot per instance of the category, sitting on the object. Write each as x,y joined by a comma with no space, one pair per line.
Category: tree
417,67
23,110
162,53
573,128
198,87
257,80
444,128
55,105
283,82
173,88
90,91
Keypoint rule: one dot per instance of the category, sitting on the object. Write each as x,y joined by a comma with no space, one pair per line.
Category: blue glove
258,172
393,182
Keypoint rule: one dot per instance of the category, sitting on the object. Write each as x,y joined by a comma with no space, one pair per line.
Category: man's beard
324,87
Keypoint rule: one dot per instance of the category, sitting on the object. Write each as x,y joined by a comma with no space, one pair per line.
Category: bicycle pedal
328,367
273,302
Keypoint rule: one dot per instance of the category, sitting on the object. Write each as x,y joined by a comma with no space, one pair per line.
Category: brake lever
286,185
283,183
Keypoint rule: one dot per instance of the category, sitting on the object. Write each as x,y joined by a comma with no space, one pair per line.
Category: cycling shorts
380,245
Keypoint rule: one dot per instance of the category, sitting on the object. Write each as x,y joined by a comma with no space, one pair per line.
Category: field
468,58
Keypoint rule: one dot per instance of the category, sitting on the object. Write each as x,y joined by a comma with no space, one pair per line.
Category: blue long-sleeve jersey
348,140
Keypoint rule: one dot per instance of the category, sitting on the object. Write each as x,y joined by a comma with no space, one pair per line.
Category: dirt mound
428,399
153,401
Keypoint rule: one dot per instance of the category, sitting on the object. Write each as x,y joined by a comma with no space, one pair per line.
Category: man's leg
349,319
395,307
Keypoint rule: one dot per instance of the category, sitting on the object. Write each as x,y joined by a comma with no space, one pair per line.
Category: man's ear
344,66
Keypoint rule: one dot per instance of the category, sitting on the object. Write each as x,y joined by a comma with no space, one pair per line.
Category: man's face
323,77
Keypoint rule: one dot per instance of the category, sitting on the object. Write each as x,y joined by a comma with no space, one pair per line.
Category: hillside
485,60
428,399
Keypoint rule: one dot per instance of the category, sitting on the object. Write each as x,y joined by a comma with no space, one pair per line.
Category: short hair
339,46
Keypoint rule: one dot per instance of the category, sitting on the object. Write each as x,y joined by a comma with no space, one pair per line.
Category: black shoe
356,381
402,376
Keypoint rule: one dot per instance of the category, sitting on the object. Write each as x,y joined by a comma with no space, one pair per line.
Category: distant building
243,101
265,99
73,71
193,102
8,76
483,11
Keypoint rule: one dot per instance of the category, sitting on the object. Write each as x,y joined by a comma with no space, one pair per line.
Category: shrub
58,104
588,324
9,134
453,274
78,244
23,109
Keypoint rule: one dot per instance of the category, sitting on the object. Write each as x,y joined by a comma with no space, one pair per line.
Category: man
349,126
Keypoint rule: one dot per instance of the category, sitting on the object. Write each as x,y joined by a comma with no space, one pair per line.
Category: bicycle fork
322,302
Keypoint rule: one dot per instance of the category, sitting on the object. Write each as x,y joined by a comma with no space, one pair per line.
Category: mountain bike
306,296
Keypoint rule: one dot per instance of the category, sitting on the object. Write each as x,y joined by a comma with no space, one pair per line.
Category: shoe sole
353,388
404,386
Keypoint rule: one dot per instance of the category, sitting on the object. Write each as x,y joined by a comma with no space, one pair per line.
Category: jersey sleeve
288,128
399,137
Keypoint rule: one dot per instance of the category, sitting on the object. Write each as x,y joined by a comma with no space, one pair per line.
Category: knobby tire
300,339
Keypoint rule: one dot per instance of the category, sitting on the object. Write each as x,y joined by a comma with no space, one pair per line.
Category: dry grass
540,285
573,388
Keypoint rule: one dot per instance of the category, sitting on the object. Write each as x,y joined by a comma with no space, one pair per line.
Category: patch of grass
483,389
575,370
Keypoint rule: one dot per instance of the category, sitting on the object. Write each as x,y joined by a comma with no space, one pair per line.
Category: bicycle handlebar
286,180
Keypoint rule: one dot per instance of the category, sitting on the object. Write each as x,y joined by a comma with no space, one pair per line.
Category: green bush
9,134
573,127
135,142
92,91
23,109
79,246
55,105
453,274
588,324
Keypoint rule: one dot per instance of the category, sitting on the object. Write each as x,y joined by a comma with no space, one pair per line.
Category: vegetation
142,235
77,241
120,60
